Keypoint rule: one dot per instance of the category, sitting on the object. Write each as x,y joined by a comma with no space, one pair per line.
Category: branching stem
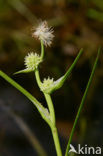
52,116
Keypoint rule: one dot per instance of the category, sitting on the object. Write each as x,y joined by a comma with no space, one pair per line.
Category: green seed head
32,61
47,84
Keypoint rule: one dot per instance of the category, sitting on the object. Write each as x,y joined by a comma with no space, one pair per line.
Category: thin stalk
37,75
82,103
42,49
53,126
56,141
47,97
51,107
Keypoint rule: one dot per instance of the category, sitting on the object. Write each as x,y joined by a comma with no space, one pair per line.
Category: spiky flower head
44,33
47,84
32,61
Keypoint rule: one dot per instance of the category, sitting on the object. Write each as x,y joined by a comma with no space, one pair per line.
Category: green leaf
82,103
59,83
23,71
42,110
72,66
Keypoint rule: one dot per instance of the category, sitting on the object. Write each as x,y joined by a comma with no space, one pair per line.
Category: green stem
53,126
47,97
51,107
52,116
37,75
56,141
42,49
82,103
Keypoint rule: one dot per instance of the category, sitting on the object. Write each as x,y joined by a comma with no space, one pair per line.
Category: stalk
51,107
56,141
52,116
42,50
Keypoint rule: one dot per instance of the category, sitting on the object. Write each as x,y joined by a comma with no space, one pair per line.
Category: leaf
82,102
59,83
23,71
42,110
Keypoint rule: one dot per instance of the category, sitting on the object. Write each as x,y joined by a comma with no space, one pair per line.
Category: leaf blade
82,102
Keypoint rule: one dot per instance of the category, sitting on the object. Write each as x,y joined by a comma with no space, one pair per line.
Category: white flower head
32,61
44,33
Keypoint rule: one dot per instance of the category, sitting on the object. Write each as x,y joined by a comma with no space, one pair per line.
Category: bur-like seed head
32,61
47,83
44,33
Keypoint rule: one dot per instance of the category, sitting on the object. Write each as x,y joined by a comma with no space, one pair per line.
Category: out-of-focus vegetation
77,24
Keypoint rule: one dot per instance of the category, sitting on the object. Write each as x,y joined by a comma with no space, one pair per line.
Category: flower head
32,61
44,33
47,84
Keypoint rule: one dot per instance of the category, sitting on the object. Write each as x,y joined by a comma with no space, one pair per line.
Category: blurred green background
77,24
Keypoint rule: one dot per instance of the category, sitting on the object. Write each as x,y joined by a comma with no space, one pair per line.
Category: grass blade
82,103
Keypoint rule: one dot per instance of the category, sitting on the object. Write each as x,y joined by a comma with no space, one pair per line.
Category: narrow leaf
23,71
82,103
42,110
59,83
73,65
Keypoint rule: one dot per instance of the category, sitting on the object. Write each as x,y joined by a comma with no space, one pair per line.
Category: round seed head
32,60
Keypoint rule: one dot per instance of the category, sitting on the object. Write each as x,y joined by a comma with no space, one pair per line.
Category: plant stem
51,107
47,97
56,141
82,103
53,126
42,49
52,116
37,75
